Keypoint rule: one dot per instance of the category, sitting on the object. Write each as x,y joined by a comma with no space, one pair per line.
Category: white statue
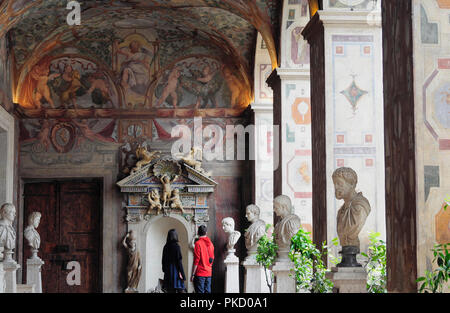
256,230
287,227
233,235
7,232
31,234
351,216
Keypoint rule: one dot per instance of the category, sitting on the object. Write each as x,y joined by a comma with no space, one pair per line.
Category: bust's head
34,219
228,224
252,212
282,206
8,212
345,180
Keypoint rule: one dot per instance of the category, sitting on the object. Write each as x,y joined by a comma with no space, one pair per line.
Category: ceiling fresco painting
168,58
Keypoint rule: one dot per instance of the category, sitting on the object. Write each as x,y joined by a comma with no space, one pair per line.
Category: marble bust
352,215
31,234
287,227
256,230
233,235
7,232
134,267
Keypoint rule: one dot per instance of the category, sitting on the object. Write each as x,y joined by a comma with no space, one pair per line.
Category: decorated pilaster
347,102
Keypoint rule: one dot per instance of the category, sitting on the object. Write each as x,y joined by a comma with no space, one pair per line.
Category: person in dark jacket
203,260
172,265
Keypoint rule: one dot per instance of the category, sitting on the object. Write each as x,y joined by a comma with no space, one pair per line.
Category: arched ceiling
225,29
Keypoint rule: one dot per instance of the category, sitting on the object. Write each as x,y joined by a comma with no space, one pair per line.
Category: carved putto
145,157
191,160
154,200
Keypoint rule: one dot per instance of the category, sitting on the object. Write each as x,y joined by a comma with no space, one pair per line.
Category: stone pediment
189,179
192,185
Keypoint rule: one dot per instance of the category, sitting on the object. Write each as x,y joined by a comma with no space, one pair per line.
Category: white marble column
232,272
34,273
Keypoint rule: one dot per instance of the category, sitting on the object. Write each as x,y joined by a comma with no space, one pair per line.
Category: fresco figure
135,70
41,75
204,84
171,88
99,90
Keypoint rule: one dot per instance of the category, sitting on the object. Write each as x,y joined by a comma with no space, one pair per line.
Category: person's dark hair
201,230
172,236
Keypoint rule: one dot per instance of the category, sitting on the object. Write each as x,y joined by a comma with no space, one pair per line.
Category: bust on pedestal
349,276
284,230
254,273
8,242
34,263
231,261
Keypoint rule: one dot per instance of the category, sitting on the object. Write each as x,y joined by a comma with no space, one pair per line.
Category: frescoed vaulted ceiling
170,30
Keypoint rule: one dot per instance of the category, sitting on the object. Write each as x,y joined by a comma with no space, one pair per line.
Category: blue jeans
202,284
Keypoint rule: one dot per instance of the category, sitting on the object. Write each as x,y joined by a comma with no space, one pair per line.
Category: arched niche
151,243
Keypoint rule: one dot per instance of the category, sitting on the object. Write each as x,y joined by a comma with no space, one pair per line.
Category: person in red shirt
203,260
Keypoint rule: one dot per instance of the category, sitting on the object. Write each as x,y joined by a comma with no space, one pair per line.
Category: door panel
70,231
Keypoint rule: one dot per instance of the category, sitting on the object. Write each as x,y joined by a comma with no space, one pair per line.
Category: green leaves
309,270
266,255
436,280
375,264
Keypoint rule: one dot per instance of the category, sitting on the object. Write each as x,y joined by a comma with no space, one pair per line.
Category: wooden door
69,230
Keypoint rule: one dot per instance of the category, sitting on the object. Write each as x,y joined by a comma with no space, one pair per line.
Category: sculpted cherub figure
154,200
144,157
191,160
166,188
176,201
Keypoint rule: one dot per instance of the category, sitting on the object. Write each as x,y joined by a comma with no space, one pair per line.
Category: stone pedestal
255,277
2,279
232,274
25,288
10,267
348,279
284,283
34,273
